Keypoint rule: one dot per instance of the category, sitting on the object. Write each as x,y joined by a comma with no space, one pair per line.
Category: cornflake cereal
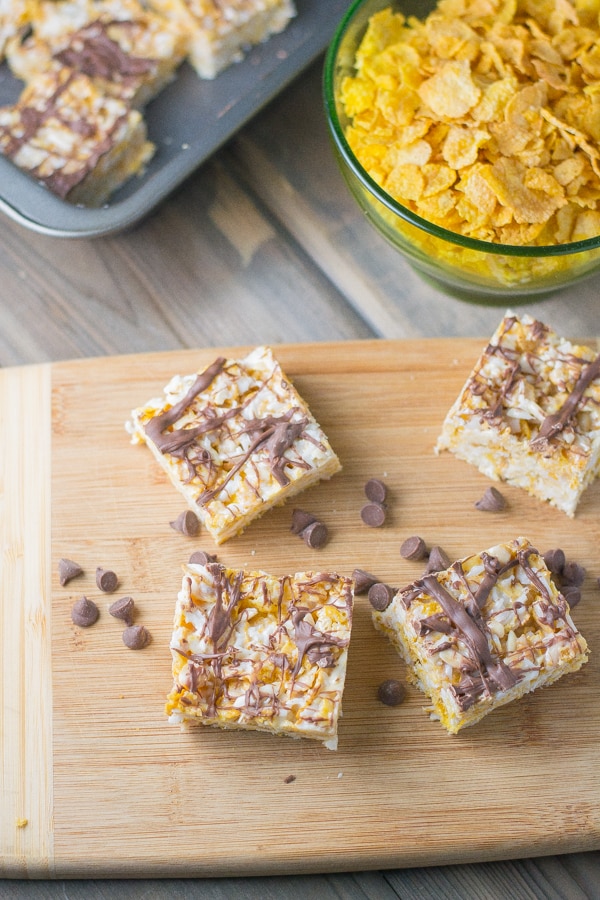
487,630
220,33
257,652
529,413
485,117
235,439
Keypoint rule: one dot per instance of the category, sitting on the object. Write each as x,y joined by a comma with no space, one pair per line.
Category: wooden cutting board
95,782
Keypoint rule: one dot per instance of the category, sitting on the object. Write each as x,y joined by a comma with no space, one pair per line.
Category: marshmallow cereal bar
128,51
14,17
529,413
485,631
80,143
220,33
235,439
257,652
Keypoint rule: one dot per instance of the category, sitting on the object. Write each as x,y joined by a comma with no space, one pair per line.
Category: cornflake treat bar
220,32
529,413
235,439
14,16
258,652
129,52
80,143
487,630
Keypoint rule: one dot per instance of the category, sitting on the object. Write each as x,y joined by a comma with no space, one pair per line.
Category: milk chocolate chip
438,561
67,569
187,523
375,490
380,596
84,612
123,609
555,560
315,536
301,520
492,501
106,580
363,581
201,558
413,548
136,637
391,692
373,514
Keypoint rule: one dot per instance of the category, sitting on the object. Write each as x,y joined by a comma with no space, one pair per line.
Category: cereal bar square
529,413
235,439
258,652
220,33
80,143
485,631
128,51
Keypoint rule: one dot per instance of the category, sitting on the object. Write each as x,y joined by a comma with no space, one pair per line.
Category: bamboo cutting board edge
27,736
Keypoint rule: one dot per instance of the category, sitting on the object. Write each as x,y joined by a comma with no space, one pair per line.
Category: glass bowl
475,270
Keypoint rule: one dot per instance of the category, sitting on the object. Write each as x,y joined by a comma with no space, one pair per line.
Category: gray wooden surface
262,244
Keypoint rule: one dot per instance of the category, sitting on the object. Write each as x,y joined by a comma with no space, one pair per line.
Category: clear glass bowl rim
337,132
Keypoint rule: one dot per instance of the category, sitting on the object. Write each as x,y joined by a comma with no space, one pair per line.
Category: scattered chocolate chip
573,574
373,514
201,558
380,596
187,523
315,535
67,569
413,548
106,580
375,490
492,500
438,561
289,779
123,609
391,692
136,637
363,581
555,560
84,612
572,595
301,520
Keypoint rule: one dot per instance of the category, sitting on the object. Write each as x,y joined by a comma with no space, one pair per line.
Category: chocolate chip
123,609
375,490
363,581
573,574
555,560
438,561
84,612
187,523
289,779
301,520
315,536
136,637
67,569
492,501
413,548
373,514
572,595
201,558
106,580
391,692
380,596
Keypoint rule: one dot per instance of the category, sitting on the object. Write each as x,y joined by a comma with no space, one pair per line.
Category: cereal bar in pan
129,52
529,413
483,632
80,143
258,652
235,439
220,33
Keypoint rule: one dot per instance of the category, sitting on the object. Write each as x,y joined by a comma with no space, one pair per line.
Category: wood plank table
263,245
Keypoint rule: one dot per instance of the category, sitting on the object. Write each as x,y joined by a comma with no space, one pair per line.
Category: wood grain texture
26,765
131,795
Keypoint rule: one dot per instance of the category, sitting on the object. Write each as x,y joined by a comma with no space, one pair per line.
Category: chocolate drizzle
92,51
556,422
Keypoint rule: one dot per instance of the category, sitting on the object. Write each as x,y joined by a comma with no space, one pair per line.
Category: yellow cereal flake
485,116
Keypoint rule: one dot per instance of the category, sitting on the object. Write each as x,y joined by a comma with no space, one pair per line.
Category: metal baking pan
188,121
